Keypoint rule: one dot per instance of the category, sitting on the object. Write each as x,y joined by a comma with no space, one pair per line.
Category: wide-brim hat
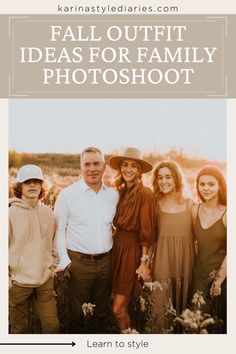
27,172
130,153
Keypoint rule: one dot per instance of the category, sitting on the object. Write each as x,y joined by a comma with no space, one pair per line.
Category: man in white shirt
84,213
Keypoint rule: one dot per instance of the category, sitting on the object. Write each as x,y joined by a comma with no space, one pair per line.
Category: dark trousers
45,307
89,282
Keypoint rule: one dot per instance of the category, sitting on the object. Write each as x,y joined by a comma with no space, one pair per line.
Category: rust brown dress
135,227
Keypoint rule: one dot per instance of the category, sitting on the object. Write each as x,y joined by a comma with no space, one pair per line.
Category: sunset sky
70,125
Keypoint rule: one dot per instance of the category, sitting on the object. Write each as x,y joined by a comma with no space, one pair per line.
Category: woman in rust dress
134,225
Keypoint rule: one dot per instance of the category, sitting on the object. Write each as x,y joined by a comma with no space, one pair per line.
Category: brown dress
212,249
135,227
172,266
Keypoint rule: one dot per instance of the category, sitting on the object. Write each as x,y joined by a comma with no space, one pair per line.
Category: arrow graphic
71,344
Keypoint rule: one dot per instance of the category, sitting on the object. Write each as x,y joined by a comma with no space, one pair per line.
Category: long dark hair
215,172
122,187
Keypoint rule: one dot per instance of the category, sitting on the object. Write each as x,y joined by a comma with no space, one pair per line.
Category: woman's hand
143,271
215,288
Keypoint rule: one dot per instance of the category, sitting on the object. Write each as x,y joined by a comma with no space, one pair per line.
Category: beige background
185,6
209,79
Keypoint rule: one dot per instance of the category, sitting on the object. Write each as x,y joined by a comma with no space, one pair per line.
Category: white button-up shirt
84,220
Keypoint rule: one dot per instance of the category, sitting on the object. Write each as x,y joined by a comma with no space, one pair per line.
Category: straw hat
130,153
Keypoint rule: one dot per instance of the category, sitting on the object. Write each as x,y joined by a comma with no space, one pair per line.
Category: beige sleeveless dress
172,265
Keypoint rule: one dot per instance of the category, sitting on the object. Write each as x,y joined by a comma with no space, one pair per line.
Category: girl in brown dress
134,225
209,216
174,254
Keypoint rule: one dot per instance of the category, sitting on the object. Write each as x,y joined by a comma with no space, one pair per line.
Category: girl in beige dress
174,253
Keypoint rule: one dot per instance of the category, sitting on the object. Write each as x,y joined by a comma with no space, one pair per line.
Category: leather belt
92,257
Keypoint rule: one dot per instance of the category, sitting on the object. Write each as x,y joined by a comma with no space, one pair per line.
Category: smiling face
208,187
31,189
165,180
130,170
92,169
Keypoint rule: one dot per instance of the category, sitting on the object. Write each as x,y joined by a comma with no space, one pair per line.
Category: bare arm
225,219
194,210
221,275
222,271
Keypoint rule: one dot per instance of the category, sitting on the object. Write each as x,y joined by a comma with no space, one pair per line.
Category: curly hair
17,190
214,171
176,173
